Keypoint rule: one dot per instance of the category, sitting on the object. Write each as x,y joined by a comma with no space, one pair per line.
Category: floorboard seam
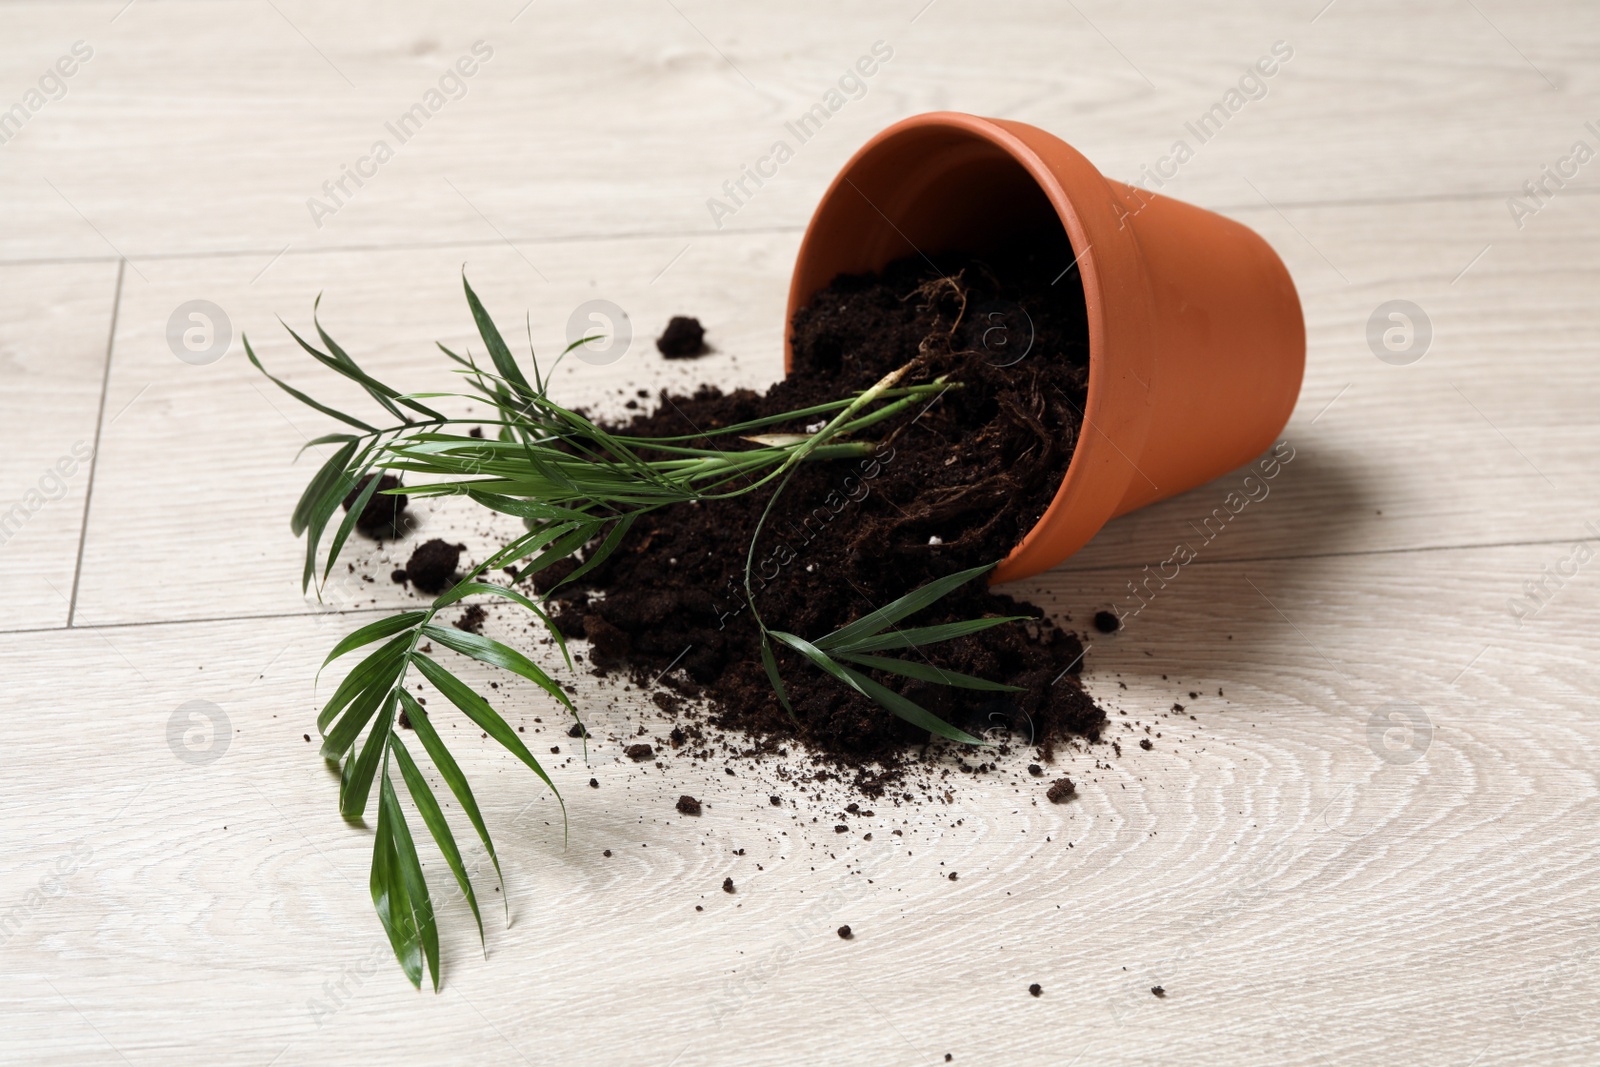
1065,570
94,457
351,613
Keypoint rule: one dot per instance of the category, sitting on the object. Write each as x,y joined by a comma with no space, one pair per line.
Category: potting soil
954,482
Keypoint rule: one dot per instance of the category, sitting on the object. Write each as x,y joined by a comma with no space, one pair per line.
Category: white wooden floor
1310,880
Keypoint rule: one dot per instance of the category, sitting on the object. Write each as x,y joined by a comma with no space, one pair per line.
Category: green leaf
352,514
478,710
433,818
923,635
405,856
451,773
601,554
498,352
770,662
374,388
383,664
330,475
340,739
346,366
474,588
817,656
526,509
375,631
885,697
354,791
910,710
909,604
527,544
325,439
477,587
488,650
317,520
560,550
927,672
391,901
302,397
342,363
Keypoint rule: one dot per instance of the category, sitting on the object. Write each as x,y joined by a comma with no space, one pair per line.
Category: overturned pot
1196,339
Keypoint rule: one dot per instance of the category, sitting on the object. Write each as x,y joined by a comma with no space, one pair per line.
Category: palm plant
579,488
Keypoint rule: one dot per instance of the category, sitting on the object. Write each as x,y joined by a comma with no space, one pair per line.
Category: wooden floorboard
1368,837
226,119
53,360
1304,884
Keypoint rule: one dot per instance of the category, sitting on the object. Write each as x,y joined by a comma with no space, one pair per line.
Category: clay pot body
1196,339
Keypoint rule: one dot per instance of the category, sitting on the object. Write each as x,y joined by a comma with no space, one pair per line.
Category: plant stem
800,453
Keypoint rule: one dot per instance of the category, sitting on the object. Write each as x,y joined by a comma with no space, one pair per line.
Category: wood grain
223,125
1374,841
1300,896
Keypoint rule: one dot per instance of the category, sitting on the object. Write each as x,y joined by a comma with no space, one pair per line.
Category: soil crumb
1061,790
382,515
684,338
432,567
472,619
688,805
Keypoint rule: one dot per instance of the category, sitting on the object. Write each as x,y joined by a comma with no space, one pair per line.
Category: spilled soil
953,483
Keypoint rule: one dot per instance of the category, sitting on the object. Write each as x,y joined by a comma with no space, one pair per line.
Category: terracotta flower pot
1196,341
